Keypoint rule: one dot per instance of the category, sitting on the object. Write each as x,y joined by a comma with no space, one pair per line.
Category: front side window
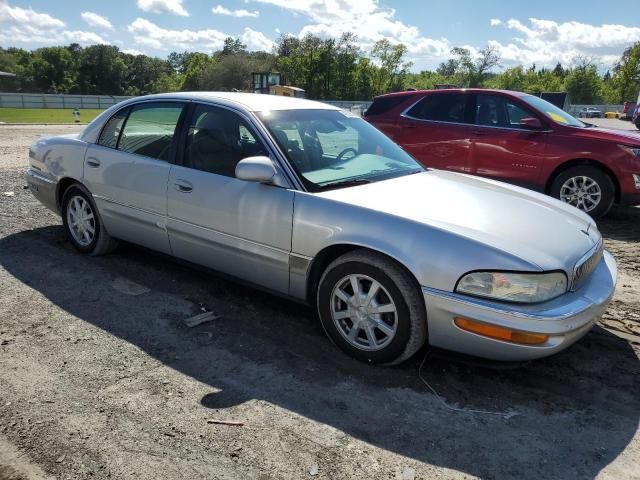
442,107
331,148
217,139
552,112
499,111
150,130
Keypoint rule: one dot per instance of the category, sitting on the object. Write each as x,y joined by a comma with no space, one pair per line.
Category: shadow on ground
577,411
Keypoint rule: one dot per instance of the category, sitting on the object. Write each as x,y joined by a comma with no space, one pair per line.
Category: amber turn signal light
500,333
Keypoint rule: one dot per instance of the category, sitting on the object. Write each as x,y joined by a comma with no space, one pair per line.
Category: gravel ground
99,378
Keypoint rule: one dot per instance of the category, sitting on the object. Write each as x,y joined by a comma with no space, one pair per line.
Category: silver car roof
253,102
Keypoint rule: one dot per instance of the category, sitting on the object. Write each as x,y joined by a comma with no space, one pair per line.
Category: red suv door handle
480,133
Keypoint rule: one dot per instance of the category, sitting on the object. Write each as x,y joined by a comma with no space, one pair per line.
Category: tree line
333,68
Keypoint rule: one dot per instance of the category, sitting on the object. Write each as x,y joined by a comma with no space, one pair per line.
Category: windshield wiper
345,183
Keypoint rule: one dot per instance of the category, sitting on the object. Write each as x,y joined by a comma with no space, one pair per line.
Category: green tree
101,70
392,66
626,75
142,73
233,46
53,70
474,71
583,83
198,63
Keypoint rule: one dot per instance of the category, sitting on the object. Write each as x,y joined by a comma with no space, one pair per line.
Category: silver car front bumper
565,319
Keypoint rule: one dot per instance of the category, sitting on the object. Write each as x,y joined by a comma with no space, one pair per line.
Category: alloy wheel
81,220
364,312
582,192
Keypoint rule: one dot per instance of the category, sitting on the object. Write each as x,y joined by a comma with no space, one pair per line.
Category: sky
540,32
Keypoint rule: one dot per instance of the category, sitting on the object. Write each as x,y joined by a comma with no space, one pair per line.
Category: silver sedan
311,202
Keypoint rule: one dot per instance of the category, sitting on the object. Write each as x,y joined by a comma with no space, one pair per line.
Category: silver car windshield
332,148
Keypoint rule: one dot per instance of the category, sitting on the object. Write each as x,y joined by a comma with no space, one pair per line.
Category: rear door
128,169
233,226
437,131
502,149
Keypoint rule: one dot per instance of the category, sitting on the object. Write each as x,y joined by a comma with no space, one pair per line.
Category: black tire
101,242
637,122
601,178
410,315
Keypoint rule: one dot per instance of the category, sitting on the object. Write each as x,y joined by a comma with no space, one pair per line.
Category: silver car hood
538,229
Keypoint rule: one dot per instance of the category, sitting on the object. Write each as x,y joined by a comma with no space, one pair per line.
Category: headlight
632,150
513,287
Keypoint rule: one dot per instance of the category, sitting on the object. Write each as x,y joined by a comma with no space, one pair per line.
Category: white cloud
495,22
256,40
370,22
163,6
546,42
220,10
27,17
132,51
95,20
26,26
148,33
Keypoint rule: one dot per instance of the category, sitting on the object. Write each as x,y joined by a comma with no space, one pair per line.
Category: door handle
93,162
183,186
480,133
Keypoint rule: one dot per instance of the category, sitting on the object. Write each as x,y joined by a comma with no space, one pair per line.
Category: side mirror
531,123
258,169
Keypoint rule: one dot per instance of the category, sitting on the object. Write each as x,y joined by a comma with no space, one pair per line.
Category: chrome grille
585,268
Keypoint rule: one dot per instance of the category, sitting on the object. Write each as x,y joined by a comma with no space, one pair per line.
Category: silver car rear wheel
81,220
363,312
582,192
83,223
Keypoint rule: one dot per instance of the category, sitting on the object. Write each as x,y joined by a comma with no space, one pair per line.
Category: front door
502,149
233,226
128,169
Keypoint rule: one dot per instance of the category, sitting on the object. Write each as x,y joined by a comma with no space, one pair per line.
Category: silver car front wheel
363,312
371,307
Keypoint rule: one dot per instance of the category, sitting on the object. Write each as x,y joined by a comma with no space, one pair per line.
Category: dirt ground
99,377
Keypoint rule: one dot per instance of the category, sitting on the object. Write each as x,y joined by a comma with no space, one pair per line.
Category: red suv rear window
384,104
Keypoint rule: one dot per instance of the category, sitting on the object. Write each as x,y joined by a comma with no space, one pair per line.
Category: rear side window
150,130
111,130
384,104
449,107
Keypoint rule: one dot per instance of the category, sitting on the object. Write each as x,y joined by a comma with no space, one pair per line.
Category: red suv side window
498,111
445,107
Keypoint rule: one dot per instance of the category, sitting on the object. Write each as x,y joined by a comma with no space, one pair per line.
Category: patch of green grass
46,115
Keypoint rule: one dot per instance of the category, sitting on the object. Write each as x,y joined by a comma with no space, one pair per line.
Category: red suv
516,138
